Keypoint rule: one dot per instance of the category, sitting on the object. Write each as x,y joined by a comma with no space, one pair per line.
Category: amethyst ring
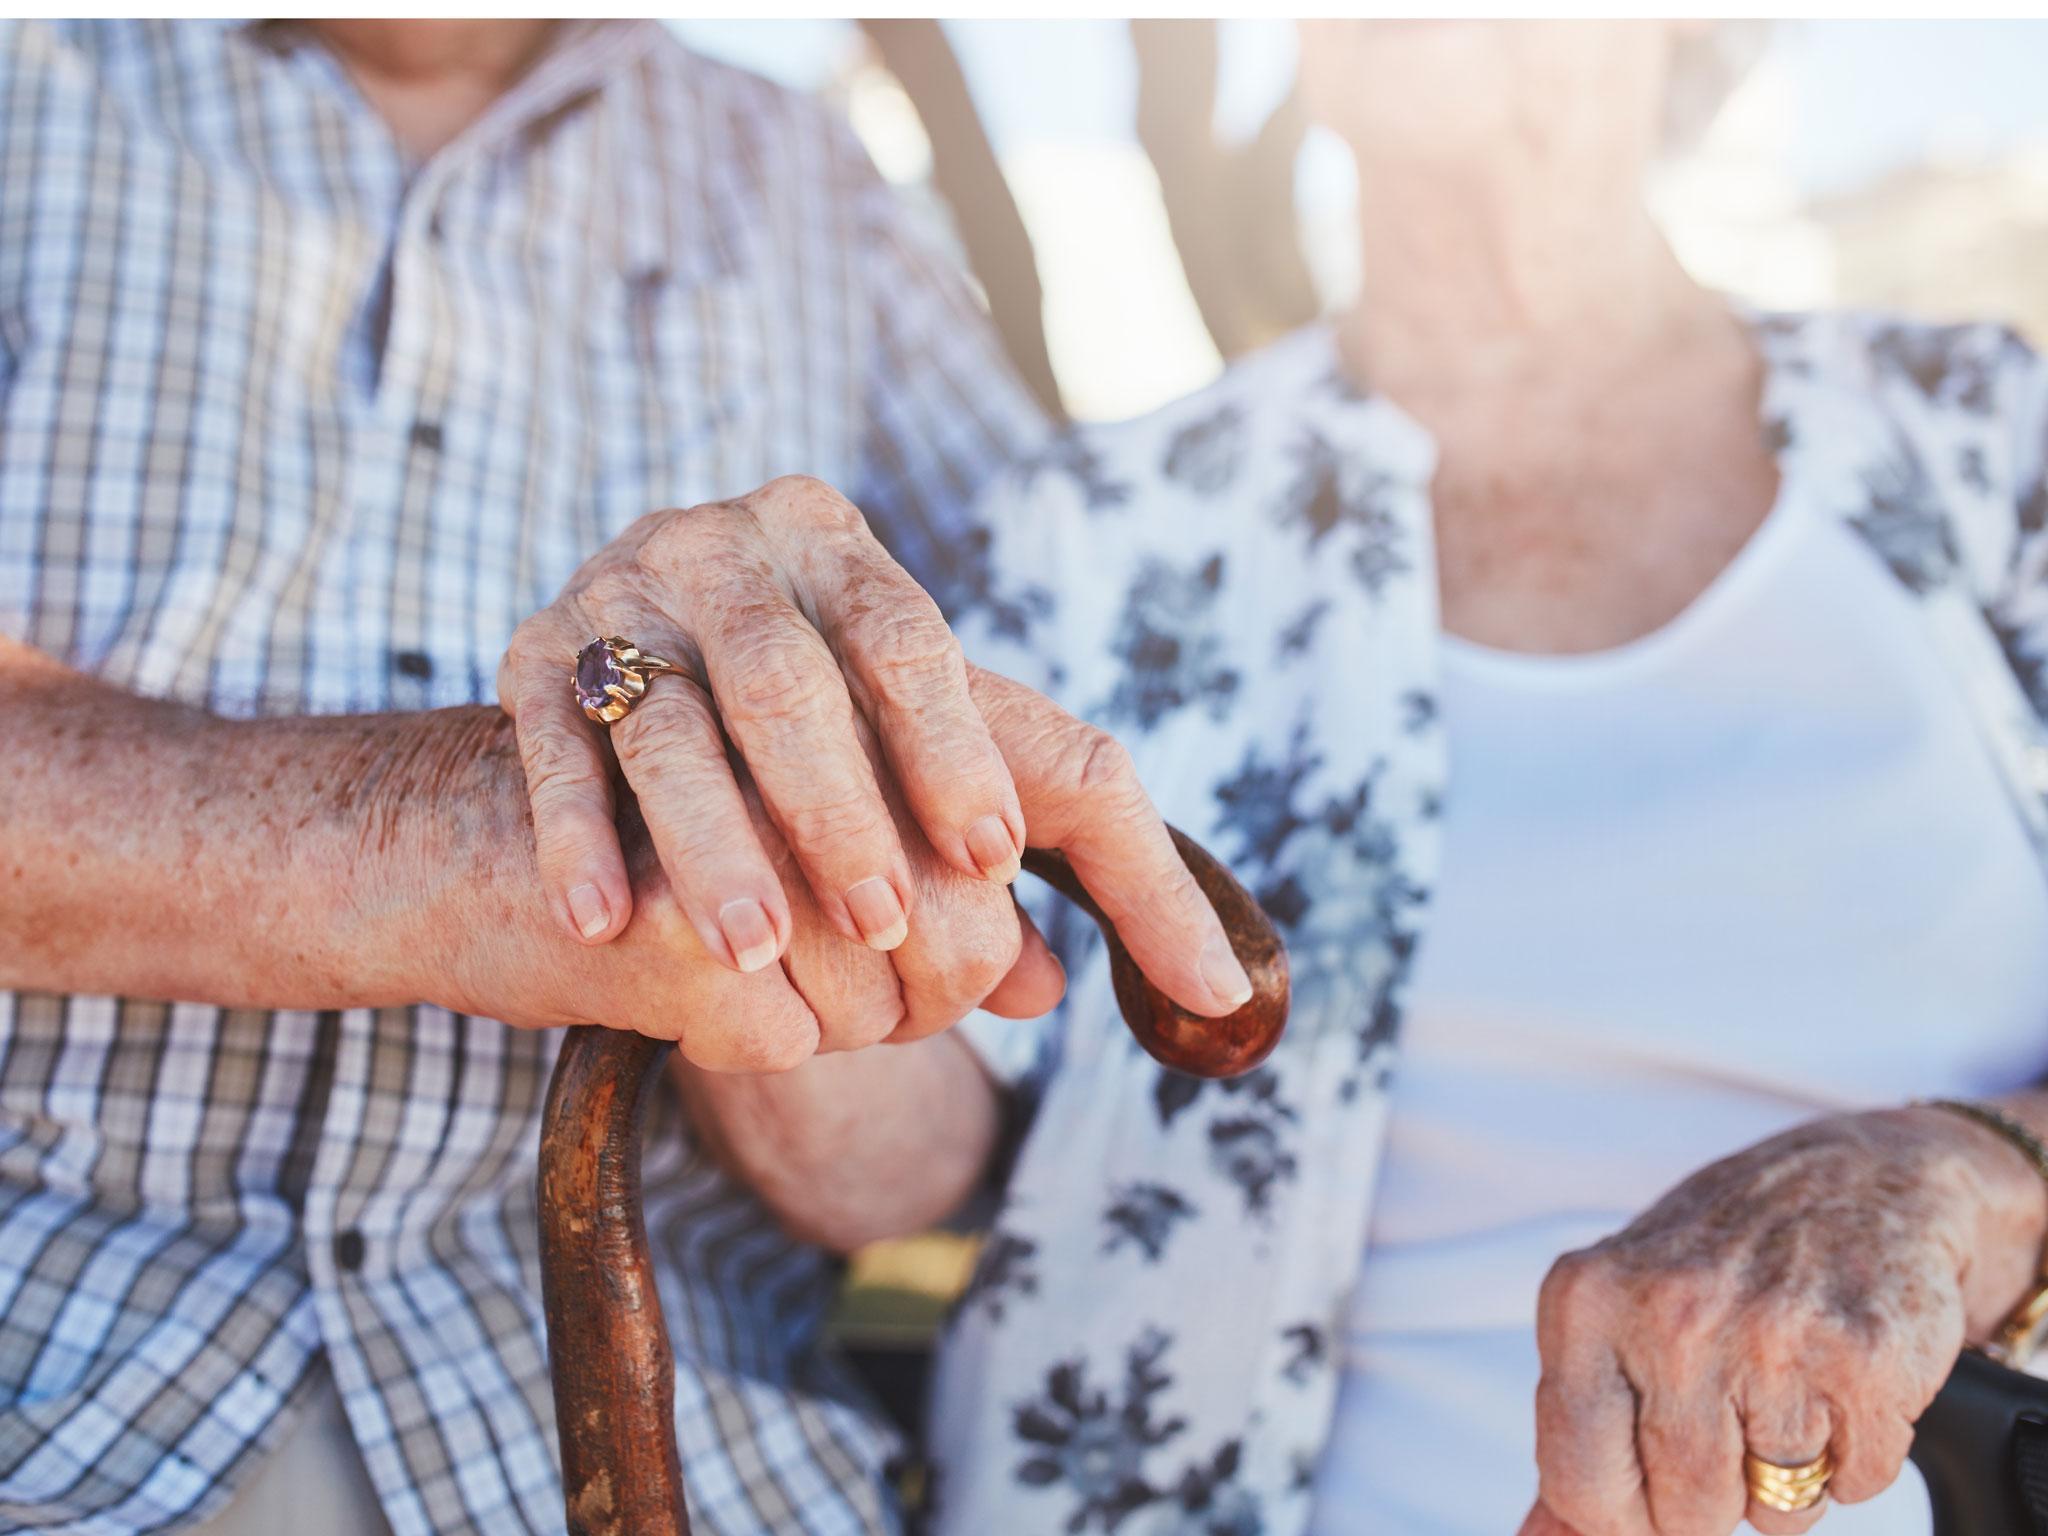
612,675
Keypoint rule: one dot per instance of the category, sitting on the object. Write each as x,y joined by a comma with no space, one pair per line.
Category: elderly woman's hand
1807,1295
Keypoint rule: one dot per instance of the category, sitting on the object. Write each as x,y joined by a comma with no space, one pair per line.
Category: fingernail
588,909
877,913
748,933
1223,975
993,849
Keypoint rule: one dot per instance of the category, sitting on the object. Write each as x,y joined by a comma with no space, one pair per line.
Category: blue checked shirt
291,424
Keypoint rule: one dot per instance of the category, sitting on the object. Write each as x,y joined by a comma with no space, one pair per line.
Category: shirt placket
407,424
417,648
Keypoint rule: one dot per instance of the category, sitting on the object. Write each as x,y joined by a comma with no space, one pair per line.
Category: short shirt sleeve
943,412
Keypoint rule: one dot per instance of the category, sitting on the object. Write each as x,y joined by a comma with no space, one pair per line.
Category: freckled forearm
853,1147
153,850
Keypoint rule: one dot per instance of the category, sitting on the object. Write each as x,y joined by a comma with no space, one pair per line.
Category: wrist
2007,1199
434,811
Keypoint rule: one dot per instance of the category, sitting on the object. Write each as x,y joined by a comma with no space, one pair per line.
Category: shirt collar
582,56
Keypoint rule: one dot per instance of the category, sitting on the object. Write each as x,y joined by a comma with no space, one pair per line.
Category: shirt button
426,435
413,664
349,1248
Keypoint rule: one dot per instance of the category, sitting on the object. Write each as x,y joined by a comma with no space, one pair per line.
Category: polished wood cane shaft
608,1349
608,1352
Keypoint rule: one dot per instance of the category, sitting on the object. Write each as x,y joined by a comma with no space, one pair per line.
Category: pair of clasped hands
826,784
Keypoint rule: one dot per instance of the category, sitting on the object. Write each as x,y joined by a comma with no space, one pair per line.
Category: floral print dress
1242,588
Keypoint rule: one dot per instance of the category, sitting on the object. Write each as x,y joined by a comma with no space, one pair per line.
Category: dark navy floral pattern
1102,1449
1204,454
1003,1272
1143,1216
1333,490
1241,588
1214,1503
1904,520
1310,1351
1094,1442
1170,647
1074,457
1298,636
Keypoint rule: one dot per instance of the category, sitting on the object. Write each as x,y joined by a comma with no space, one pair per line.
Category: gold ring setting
1789,1490
611,676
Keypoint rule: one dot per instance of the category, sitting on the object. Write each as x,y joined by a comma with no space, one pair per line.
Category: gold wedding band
611,676
1788,1490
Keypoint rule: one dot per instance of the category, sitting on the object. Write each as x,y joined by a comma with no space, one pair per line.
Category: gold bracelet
2025,1326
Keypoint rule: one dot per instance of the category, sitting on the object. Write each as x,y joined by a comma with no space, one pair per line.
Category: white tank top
1751,869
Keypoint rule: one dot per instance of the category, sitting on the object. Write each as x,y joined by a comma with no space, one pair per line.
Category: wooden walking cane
608,1348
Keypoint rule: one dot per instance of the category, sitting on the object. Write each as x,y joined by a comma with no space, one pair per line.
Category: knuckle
1101,767
700,546
1878,1448
784,1051
853,992
559,804
766,1050
833,823
557,774
526,639
536,652
863,1027
778,685
969,939
665,524
645,529
1679,1304
611,589
665,724
808,502
1782,1338
992,960
999,944
910,655
972,950
1576,1291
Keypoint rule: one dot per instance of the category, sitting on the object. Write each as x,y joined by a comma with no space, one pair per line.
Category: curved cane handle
608,1349
1185,1041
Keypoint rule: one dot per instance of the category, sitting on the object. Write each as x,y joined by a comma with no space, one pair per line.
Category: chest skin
1575,519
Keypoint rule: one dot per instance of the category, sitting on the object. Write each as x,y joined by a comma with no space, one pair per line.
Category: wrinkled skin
1809,1293
764,599
826,727
494,949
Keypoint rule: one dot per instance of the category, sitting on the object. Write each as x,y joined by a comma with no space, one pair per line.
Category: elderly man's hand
829,674
1810,1294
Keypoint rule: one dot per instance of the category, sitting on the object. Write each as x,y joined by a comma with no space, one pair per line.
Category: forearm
853,1147
154,850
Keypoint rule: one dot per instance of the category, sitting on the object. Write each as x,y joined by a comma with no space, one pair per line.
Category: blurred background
1140,200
